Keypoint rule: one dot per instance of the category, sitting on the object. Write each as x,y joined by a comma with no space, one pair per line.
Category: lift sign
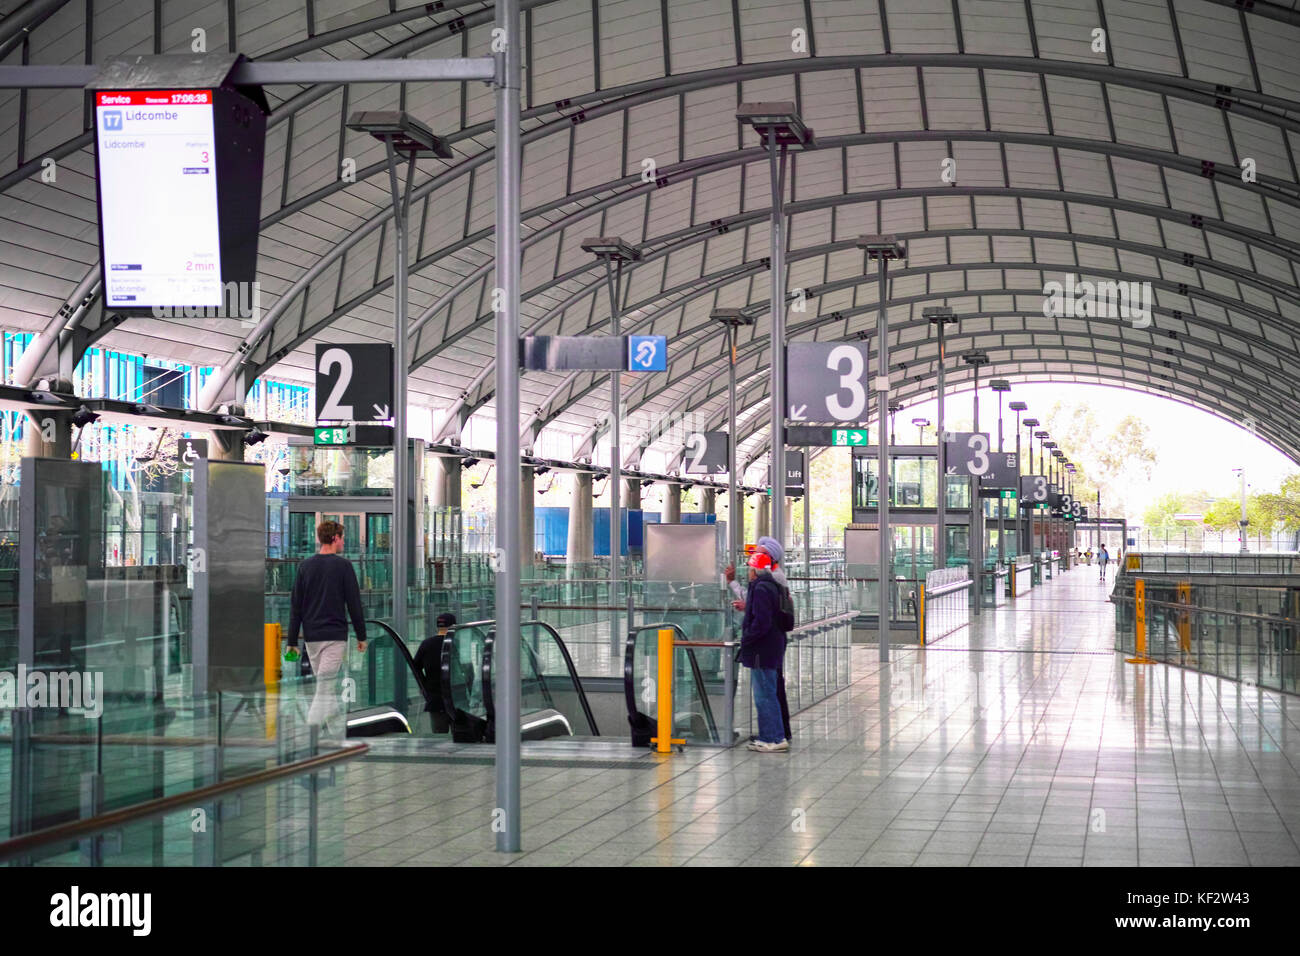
159,221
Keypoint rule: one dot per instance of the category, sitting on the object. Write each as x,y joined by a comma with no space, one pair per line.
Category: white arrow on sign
381,413
798,413
855,438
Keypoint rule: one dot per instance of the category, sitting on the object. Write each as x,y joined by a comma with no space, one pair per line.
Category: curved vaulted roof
1121,160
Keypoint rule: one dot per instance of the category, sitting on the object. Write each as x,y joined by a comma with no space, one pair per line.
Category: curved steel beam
840,315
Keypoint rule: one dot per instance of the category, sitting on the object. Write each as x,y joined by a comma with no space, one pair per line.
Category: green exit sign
1008,493
336,435
848,436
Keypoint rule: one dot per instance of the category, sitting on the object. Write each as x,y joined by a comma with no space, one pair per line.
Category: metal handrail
25,844
1172,605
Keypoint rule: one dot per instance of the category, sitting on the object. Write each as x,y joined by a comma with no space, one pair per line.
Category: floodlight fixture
732,317
1000,385
1034,423
1041,434
612,248
921,422
895,405
83,416
1019,407
408,135
976,358
778,123
882,247
1048,444
939,313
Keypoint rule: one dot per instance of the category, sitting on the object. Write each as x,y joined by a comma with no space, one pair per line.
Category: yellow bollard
1140,622
271,672
664,741
920,612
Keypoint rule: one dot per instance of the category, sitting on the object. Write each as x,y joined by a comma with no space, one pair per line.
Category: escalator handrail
700,689
444,666
487,654
489,691
410,662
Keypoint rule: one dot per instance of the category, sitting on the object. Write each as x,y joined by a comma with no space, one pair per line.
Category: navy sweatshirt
762,642
325,595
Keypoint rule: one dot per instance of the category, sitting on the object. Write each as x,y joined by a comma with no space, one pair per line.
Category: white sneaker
763,747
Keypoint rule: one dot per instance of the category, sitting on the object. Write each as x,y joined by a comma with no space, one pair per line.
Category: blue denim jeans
763,681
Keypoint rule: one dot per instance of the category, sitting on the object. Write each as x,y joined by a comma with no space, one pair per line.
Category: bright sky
1194,449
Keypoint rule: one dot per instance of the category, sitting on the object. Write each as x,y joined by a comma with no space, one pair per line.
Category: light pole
732,320
614,252
941,316
1244,523
1042,519
1001,386
883,249
975,359
402,135
921,425
779,127
1019,407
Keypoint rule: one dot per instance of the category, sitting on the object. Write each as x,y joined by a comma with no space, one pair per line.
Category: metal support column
401,533
776,165
506,821
807,514
941,532
613,281
735,508
882,444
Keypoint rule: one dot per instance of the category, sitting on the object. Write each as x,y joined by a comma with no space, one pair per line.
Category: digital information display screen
159,218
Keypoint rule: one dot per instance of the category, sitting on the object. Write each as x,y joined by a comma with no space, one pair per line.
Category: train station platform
1023,740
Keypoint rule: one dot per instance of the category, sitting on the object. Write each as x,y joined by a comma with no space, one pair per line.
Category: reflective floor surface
1022,741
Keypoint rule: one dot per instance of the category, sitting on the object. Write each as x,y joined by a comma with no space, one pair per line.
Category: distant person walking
325,596
762,648
1103,559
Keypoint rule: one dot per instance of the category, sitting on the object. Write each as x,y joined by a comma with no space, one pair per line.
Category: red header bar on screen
154,98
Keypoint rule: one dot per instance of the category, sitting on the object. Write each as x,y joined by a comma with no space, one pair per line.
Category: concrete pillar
709,502
581,542
226,446
527,490
56,426
672,504
764,519
631,498
444,482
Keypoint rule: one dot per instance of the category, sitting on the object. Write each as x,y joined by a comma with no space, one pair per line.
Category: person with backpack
1103,559
762,649
776,552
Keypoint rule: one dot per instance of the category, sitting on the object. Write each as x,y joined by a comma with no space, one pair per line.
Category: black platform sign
827,381
794,474
1004,470
706,453
1033,490
354,382
968,454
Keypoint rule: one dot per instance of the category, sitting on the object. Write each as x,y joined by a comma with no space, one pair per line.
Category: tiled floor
1023,741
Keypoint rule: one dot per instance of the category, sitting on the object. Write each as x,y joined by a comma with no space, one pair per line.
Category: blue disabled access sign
647,353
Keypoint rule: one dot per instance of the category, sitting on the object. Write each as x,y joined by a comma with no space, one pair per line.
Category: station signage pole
506,820
883,249
942,316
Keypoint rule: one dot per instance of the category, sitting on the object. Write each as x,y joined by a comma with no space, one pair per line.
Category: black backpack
786,619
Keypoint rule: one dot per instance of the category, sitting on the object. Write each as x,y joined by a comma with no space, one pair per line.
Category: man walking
325,596
762,646
1103,560
428,661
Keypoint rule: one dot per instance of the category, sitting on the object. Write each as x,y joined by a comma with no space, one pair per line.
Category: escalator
693,712
552,700
394,694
